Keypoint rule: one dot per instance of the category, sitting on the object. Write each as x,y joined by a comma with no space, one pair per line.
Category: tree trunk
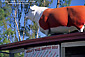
24,28
17,25
58,3
44,3
15,31
9,38
37,32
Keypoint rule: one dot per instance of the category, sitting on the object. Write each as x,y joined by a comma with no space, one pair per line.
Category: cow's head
32,12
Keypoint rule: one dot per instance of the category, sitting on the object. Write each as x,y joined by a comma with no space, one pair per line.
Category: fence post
11,55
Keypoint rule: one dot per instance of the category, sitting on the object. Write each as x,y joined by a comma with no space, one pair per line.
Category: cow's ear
33,7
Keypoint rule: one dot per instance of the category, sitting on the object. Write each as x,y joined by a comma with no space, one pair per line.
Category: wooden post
11,55
12,52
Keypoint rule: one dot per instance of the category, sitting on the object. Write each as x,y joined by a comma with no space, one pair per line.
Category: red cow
59,20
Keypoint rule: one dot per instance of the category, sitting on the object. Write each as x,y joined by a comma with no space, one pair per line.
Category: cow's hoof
74,31
56,34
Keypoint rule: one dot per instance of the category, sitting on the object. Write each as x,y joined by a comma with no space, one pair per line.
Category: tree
6,31
5,25
33,27
17,25
44,3
58,3
65,3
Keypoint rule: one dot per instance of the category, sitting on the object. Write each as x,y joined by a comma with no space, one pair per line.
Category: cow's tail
83,28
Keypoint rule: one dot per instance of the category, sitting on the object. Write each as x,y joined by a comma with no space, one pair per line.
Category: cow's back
65,16
76,16
54,18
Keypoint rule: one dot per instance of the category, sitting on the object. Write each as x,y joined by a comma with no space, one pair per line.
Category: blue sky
73,3
77,2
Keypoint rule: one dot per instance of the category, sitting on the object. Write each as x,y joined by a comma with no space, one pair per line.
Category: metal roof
56,39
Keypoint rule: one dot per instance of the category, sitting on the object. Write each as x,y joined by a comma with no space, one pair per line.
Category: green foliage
1,55
5,40
4,54
65,3
19,54
44,2
5,26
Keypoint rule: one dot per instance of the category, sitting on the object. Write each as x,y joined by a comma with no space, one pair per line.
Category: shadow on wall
75,51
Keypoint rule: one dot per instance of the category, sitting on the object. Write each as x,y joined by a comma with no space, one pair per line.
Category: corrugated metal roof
44,41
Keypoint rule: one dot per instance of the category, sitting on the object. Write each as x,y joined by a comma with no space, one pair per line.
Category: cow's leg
82,29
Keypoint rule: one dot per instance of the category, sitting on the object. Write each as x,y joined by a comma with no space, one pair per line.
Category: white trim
73,44
70,44
62,51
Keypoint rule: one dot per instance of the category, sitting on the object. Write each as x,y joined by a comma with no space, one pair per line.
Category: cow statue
58,20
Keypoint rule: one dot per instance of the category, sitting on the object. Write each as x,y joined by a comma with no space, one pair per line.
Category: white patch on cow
35,13
63,29
44,31
60,29
82,29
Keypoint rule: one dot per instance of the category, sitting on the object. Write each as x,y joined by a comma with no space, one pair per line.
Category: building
67,45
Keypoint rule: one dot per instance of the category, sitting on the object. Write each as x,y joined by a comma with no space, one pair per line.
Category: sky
73,3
